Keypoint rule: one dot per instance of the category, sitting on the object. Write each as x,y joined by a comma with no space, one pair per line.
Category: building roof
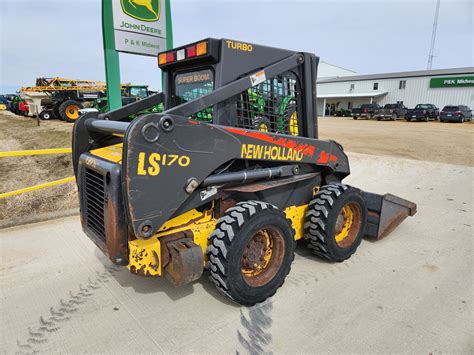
407,74
351,94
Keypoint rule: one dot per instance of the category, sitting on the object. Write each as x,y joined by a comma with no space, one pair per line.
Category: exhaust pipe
386,213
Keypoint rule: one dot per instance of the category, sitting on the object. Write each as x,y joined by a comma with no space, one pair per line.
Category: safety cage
271,106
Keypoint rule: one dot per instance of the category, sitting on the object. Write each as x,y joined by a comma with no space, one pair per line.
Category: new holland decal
265,152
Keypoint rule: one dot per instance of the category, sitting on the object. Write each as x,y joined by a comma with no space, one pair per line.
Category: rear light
180,55
170,57
201,48
162,58
424,112
191,51
458,112
365,110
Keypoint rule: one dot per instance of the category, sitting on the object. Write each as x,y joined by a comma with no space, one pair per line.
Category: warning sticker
258,77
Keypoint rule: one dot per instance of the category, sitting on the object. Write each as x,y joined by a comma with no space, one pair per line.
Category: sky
44,38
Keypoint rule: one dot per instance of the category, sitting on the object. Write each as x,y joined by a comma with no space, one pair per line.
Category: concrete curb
37,218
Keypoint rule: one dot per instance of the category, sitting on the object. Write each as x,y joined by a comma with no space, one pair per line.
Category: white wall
326,70
417,91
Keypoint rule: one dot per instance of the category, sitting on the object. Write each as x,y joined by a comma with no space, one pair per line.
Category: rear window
423,107
390,106
191,85
451,108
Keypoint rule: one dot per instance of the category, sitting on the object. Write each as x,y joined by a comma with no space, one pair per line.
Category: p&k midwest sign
456,81
140,26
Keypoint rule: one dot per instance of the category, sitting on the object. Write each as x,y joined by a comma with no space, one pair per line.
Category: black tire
322,220
46,115
408,119
229,245
354,118
56,113
394,117
69,110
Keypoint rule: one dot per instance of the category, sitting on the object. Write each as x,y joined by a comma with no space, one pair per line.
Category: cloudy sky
63,37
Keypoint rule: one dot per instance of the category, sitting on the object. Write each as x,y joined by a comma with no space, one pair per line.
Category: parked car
391,111
365,110
422,112
458,113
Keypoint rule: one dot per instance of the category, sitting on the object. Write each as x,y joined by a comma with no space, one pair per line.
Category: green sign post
454,81
140,27
111,56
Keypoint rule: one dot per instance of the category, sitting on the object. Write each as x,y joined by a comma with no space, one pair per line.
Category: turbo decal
259,152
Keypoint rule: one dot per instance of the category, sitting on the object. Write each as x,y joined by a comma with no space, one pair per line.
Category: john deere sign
140,26
456,81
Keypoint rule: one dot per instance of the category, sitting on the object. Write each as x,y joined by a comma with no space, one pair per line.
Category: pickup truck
391,111
365,110
422,112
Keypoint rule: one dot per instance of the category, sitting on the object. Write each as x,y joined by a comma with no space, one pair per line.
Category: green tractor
130,94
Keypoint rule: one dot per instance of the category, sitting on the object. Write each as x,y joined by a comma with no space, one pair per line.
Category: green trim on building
453,81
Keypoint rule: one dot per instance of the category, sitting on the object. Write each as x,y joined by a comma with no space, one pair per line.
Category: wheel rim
72,112
263,127
263,256
347,225
46,116
294,124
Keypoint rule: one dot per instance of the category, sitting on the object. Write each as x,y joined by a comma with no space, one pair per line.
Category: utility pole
433,37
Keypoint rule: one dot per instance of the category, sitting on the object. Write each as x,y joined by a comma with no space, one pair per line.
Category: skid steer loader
227,178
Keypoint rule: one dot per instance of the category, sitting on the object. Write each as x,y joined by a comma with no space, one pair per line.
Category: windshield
138,92
451,108
191,85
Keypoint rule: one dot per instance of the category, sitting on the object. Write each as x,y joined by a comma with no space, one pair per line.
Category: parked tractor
61,98
227,178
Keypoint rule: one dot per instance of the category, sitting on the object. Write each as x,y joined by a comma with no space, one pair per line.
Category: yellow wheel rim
72,112
348,219
263,256
257,268
263,127
294,124
348,224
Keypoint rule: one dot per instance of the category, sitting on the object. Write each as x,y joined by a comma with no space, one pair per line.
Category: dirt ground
433,141
450,143
22,133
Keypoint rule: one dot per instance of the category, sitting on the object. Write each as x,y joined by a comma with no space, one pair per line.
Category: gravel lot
450,143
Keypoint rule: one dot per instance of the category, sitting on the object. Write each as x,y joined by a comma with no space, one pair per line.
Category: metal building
439,87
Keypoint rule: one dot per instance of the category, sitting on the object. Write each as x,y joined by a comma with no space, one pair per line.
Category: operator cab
270,105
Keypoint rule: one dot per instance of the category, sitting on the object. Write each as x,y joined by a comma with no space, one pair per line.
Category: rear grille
94,202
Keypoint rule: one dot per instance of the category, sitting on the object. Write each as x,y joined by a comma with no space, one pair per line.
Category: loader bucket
386,213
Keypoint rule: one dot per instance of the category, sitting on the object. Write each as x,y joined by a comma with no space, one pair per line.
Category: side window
376,86
402,85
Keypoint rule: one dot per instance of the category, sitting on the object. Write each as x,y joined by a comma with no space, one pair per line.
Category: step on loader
227,178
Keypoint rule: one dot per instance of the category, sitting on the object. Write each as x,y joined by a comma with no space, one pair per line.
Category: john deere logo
145,10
